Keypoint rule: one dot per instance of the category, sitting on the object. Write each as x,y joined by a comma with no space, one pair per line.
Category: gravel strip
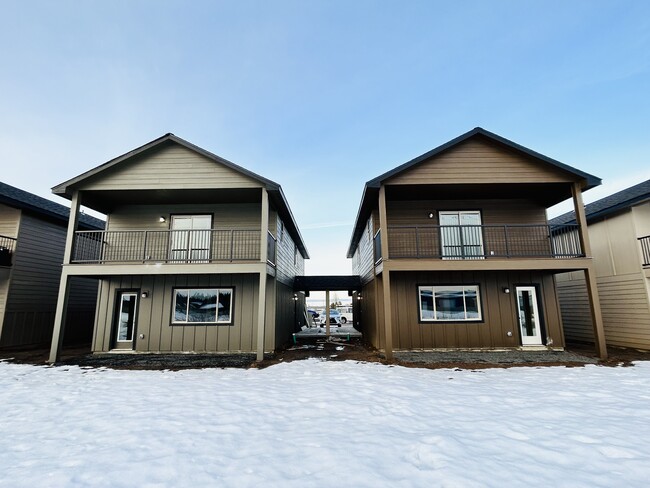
493,357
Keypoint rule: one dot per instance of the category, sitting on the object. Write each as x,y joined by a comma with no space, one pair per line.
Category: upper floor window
281,232
461,234
190,238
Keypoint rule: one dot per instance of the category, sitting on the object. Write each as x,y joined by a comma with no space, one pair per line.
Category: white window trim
217,321
433,291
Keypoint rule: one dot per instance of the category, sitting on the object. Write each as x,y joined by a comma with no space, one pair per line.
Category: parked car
346,314
335,318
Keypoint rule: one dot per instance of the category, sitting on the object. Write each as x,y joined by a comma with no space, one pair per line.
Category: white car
335,318
346,314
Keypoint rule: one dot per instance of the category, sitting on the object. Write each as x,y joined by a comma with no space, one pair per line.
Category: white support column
59,317
388,318
327,314
261,306
590,276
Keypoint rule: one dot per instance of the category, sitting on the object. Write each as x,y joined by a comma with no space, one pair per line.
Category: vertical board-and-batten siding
172,166
498,311
154,314
480,161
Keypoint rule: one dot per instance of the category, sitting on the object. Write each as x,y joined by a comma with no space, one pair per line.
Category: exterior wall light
506,290
295,297
430,215
162,219
144,294
359,297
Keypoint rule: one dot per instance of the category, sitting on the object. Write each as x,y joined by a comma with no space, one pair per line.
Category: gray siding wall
154,314
31,301
289,261
225,216
363,258
286,310
34,286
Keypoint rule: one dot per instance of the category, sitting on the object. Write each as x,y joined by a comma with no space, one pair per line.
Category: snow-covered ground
315,423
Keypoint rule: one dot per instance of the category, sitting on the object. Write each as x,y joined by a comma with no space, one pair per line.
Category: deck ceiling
327,283
546,194
107,201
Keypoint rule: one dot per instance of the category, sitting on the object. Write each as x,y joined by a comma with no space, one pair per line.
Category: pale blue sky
322,96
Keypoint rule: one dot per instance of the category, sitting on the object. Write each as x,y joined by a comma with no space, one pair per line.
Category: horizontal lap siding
9,219
498,309
226,216
364,257
624,305
510,211
477,161
171,166
33,291
286,270
155,312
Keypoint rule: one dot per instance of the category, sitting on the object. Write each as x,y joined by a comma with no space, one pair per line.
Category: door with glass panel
125,320
461,235
190,238
528,315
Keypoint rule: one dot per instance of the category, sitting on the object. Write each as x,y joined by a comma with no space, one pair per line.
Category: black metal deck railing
167,246
484,241
7,248
645,249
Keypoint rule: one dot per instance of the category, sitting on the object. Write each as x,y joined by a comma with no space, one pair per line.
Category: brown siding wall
511,211
172,166
499,311
9,221
154,314
478,161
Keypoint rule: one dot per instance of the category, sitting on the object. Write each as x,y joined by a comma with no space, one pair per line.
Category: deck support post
590,277
327,314
388,319
261,305
59,318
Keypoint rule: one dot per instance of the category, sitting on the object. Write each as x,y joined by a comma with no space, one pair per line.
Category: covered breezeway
342,283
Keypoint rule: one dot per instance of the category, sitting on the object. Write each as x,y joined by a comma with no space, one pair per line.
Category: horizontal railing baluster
167,246
484,241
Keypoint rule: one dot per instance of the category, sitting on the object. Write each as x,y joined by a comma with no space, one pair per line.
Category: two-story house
32,240
619,231
455,251
198,254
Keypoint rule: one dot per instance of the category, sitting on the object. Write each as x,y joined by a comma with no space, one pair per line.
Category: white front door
125,321
528,314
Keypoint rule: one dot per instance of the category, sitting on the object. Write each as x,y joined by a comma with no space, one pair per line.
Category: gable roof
606,206
371,188
276,195
17,198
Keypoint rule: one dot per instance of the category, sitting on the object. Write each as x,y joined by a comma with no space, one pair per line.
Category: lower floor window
203,305
449,303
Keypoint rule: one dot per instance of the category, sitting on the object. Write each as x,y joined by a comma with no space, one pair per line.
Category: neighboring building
198,254
619,231
454,249
32,240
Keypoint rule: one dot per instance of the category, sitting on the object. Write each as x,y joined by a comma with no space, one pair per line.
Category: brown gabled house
198,254
455,251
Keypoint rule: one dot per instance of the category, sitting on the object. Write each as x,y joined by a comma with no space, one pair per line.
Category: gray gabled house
32,240
198,254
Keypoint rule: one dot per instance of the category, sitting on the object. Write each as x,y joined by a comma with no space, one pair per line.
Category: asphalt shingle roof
608,205
15,197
